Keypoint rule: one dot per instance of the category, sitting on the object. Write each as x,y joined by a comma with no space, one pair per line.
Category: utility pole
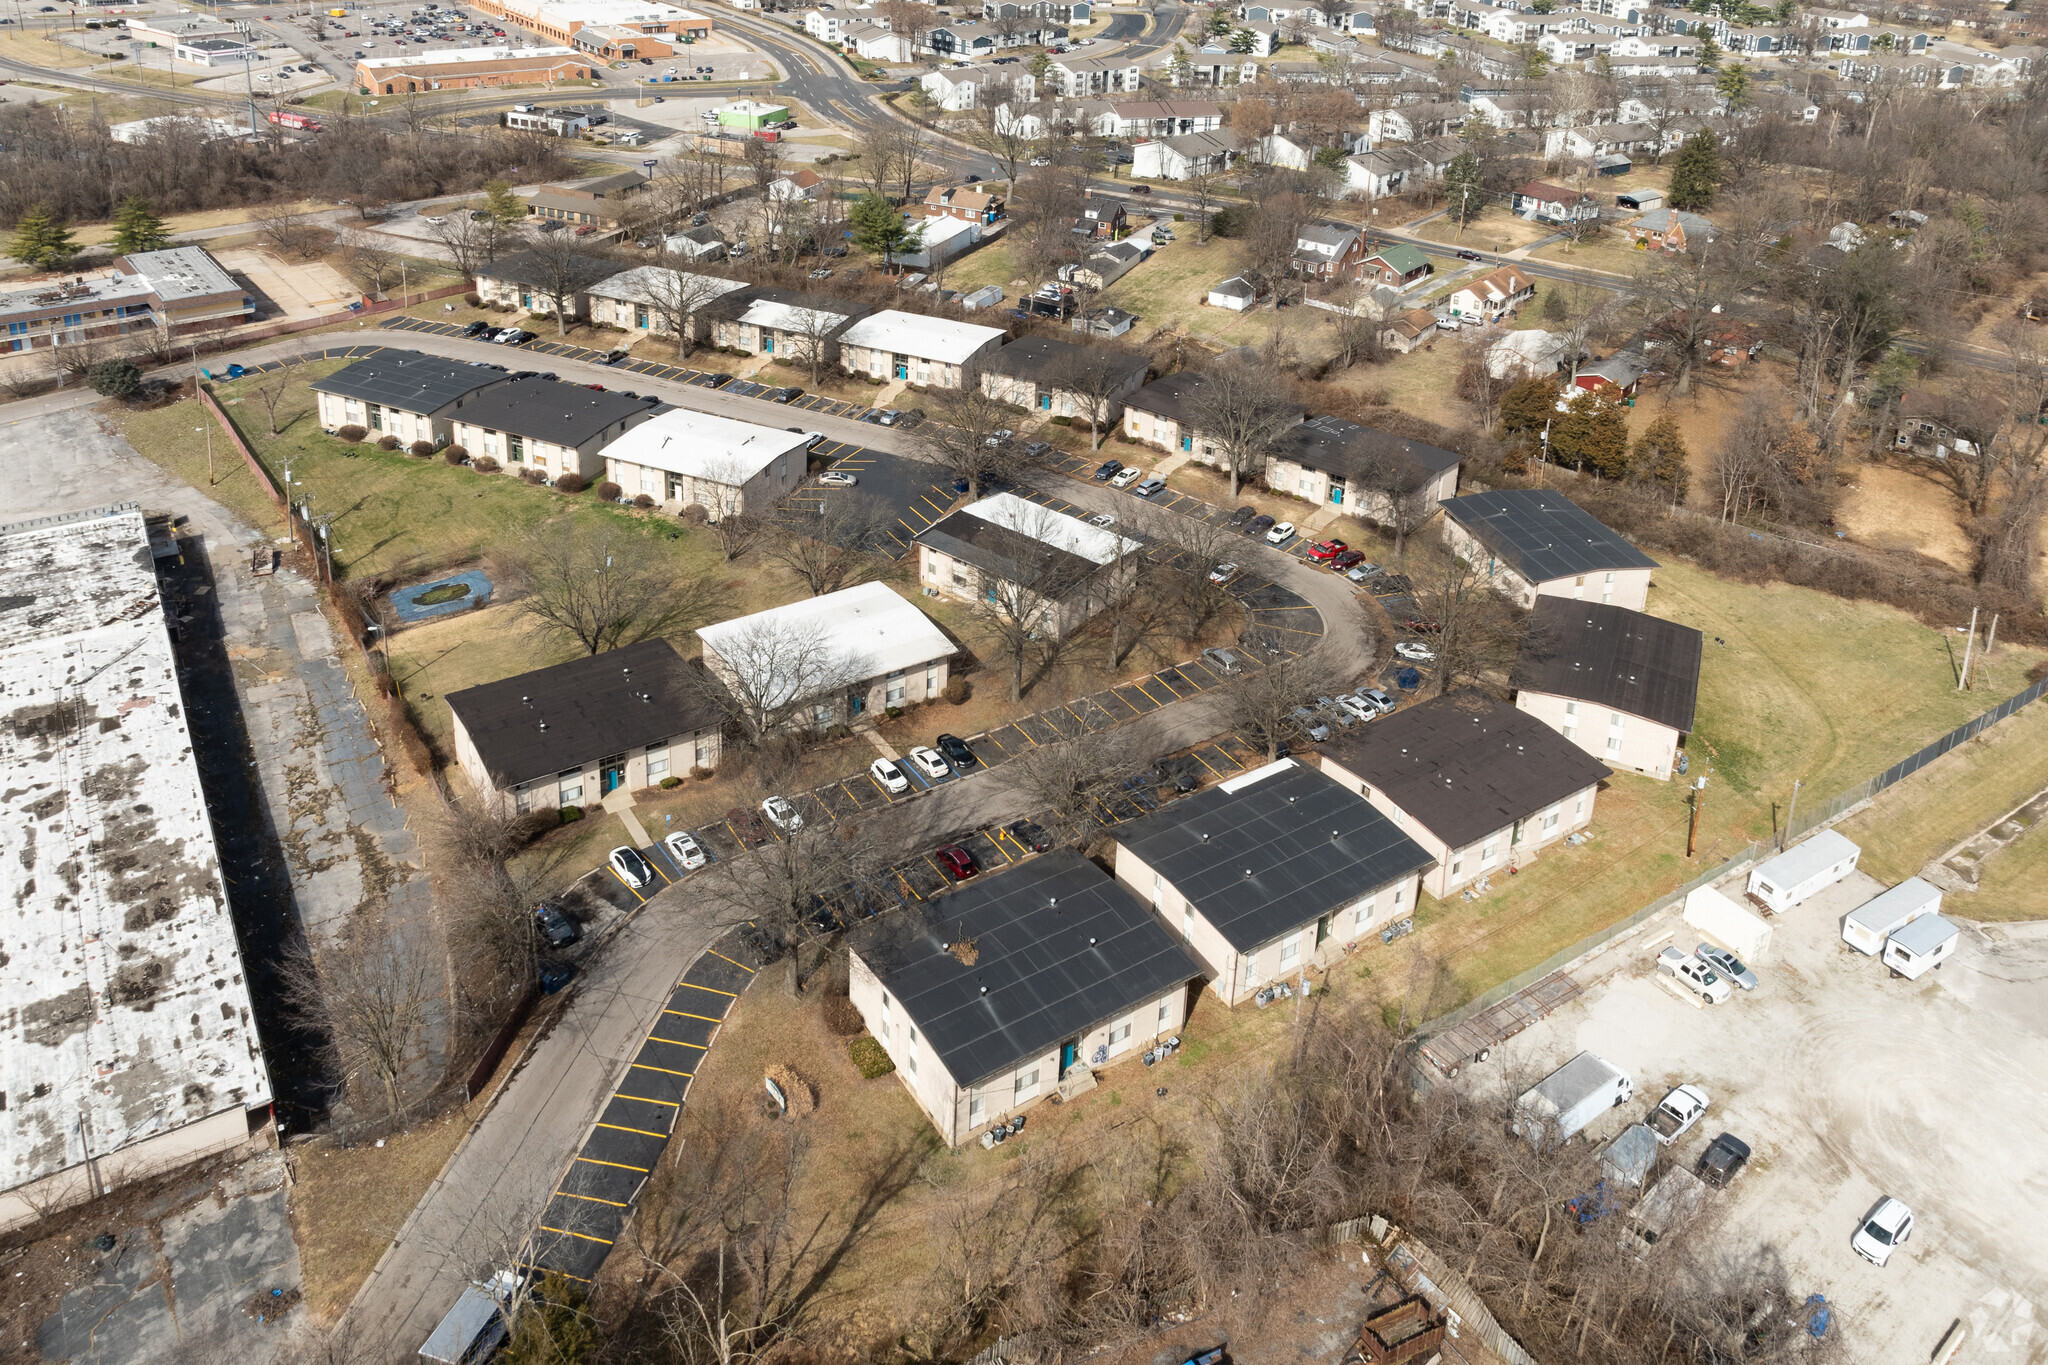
1699,801
1792,811
1990,639
208,429
1963,676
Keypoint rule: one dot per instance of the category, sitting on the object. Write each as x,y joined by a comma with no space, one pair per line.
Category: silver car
1727,964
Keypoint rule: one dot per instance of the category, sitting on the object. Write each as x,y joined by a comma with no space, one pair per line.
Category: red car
958,862
1327,549
747,825
1424,625
1347,560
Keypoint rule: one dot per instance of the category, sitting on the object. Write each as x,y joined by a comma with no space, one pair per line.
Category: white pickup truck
1676,1112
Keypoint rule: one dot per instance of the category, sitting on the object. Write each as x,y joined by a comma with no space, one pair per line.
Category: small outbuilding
1802,870
1868,926
1922,945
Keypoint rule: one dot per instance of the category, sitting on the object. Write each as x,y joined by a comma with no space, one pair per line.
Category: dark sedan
957,753
1031,836
1108,470
1258,526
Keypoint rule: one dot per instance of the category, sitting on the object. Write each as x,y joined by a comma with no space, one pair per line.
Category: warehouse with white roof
127,1045
938,352
682,458
830,659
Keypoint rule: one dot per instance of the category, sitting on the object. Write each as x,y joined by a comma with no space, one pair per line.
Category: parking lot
1850,1085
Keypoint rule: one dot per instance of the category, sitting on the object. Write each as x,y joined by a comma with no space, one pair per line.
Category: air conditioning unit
931,592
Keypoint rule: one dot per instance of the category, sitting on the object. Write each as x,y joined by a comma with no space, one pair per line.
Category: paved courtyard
1850,1085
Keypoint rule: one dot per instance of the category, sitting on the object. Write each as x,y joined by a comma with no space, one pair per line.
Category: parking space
906,487
1849,1085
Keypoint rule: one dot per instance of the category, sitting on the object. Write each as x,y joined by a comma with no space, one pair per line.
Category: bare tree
369,999
831,544
1098,378
815,331
774,675
272,384
1192,555
991,129
288,230
563,269
1068,780
1039,578
1260,701
962,434
736,533
471,242
1684,300
1478,631
1237,413
372,267
605,591
674,296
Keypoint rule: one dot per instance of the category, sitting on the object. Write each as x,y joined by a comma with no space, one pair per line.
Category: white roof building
127,1037
652,284
918,334
1063,532
458,56
872,625
700,445
789,318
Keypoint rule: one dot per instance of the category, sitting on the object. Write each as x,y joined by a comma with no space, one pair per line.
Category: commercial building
546,425
660,301
1619,684
571,734
1046,568
217,51
915,346
1064,379
830,659
470,68
401,393
560,21
680,458
751,114
1017,987
1481,786
1532,542
127,1045
180,289
1268,873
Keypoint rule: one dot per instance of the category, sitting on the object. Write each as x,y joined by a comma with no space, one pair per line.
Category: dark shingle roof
1465,765
548,410
408,381
1377,459
1174,397
1043,360
605,704
524,267
1010,555
1057,948
1543,535
1270,851
1613,657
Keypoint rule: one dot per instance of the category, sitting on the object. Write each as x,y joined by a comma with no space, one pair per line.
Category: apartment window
650,481
657,763
572,787
1158,891
1119,1037
1290,952
1614,742
1363,913
1571,731
974,1112
931,680
1187,924
1251,961
1490,852
1165,1013
894,694
1580,809
1457,864
1550,819
703,753
1571,708
1027,1084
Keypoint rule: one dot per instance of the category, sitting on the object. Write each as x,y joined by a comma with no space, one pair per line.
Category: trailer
1921,945
470,1333
1867,926
288,118
1556,1108
1473,1039
1628,1159
1802,870
1673,1199
1738,930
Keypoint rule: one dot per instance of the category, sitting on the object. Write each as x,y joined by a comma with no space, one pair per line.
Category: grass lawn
1608,249
1170,292
1805,686
995,263
1492,229
45,52
2015,884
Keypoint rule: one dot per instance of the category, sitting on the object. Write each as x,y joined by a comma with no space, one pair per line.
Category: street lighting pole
208,429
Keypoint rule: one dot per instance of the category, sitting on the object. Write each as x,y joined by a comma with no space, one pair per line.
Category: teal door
1068,1052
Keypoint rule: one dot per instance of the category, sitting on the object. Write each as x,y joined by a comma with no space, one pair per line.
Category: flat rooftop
465,56
127,1013
872,625
181,272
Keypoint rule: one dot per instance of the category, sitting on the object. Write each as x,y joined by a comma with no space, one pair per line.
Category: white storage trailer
1740,931
1921,945
472,1331
1803,869
1571,1097
1867,926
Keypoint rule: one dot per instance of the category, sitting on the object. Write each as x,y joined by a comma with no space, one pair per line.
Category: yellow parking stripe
741,965
677,1042
642,1066
707,1018
713,989
1207,764
643,1132
622,1095
571,1194
549,1270
1148,695
620,1165
1161,680
604,1241
628,885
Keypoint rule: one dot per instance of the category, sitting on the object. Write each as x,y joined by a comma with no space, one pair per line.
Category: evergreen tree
1659,457
878,226
1462,186
1592,433
1243,40
115,378
138,228
555,1329
1535,62
1180,68
499,201
1709,54
1734,87
1695,171
41,238
1525,409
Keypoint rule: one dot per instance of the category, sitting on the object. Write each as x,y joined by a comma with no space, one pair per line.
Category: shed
1921,945
1628,1158
1738,930
1801,870
1640,200
1867,926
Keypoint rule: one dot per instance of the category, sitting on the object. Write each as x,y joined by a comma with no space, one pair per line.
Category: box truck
1740,931
472,1331
1569,1098
1867,926
1921,946
1803,869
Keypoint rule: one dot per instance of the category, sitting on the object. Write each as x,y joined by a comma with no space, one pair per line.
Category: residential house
1369,473
965,202
1600,139
801,185
1671,229
938,352
1406,331
1480,786
1549,203
762,320
1380,173
684,459
1016,988
878,44
1493,295
1239,293
1269,873
873,649
695,245
1621,373
1042,374
830,25
1526,352
1103,321
1184,157
960,88
1165,414
1619,684
1102,217
1397,265
1104,265
1414,122
523,280
571,734
1050,570
1080,77
404,394
545,425
939,241
1535,542
1328,252
1164,118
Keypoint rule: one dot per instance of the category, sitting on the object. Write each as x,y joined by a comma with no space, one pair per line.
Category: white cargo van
1867,926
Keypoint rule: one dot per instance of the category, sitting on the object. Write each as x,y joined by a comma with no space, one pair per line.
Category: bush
671,782
609,491
457,454
387,443
893,712
533,824
571,814
572,483
696,514
484,464
351,433
1063,421
957,691
840,1015
115,379
424,449
869,1058
473,300
700,773
533,476
643,501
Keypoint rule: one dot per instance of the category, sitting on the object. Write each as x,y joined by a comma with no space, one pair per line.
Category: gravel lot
1850,1085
